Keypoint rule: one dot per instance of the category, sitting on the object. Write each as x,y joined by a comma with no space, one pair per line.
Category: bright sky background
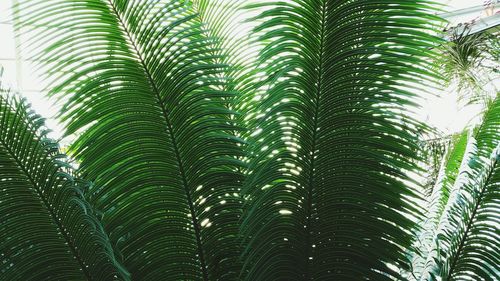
442,111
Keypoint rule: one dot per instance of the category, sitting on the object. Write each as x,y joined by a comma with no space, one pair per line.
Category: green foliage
284,155
433,153
437,200
467,240
451,168
144,93
470,61
47,230
326,193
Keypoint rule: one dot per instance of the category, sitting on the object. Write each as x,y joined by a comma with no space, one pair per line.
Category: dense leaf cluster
206,155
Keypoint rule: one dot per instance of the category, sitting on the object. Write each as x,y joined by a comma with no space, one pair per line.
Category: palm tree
439,196
327,197
284,155
47,229
468,60
157,145
460,224
466,243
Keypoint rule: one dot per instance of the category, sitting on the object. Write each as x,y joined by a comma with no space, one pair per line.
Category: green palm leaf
468,242
229,23
434,151
450,170
438,199
144,94
326,198
47,230
470,61
448,173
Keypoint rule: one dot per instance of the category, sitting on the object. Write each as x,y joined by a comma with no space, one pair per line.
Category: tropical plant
467,243
47,230
326,194
206,155
469,61
438,195
144,84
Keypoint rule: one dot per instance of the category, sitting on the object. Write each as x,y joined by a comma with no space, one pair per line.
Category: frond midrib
51,210
171,134
311,176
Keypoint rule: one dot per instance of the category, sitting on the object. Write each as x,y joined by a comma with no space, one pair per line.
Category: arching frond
144,92
436,203
470,61
468,241
228,23
326,198
47,230
448,174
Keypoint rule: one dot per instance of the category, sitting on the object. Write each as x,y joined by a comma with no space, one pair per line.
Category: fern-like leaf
326,198
47,230
145,94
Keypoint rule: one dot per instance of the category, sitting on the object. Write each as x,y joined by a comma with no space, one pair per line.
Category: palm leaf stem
170,132
310,193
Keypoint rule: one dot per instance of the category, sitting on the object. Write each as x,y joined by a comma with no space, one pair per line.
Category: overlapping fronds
228,23
448,174
157,93
141,83
467,241
437,200
326,198
433,151
47,230
471,62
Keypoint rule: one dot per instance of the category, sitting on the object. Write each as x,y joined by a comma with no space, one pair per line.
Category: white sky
442,111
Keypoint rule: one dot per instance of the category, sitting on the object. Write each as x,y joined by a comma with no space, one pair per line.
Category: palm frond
47,230
223,20
468,243
433,151
144,92
471,62
449,172
325,197
228,23
438,199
